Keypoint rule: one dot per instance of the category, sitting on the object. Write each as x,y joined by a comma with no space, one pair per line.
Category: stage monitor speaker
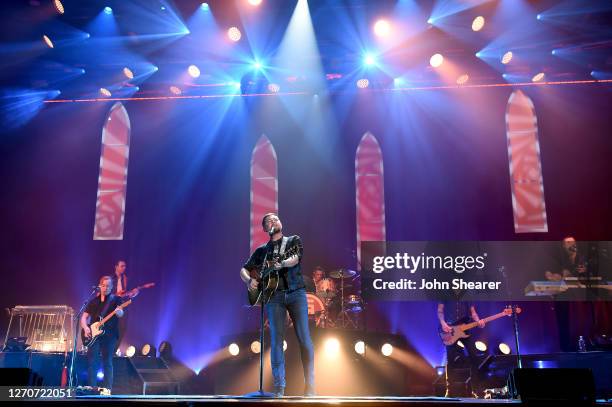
552,387
19,376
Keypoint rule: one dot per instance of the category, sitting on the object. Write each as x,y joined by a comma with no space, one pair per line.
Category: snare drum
354,303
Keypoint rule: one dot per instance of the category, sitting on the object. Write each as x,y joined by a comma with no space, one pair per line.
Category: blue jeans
106,346
296,304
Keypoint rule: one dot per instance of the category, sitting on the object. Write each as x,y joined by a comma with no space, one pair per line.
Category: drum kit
329,307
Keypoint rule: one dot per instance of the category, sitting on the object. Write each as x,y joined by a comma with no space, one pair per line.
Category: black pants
105,347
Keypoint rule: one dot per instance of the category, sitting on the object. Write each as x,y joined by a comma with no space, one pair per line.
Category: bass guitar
458,331
268,278
97,328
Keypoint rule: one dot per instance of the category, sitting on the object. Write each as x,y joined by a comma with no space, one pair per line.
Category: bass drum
316,308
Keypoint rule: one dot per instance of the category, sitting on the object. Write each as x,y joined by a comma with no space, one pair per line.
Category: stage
419,185
303,402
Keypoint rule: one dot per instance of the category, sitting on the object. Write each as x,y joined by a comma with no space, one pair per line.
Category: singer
100,306
290,296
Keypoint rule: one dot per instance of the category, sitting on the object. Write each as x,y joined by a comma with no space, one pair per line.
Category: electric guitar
458,330
97,328
268,279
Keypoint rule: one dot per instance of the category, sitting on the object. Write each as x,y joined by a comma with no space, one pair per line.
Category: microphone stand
77,325
261,393
519,359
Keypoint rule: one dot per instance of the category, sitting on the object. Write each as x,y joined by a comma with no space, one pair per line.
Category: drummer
318,274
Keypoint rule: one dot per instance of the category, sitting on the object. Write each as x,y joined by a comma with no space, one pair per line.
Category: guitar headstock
509,309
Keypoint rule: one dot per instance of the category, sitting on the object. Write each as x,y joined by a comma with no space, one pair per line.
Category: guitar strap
107,305
283,245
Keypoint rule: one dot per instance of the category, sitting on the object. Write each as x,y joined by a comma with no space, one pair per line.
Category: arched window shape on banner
370,192
112,181
264,188
525,166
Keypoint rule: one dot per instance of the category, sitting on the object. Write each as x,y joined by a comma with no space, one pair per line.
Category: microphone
271,232
95,287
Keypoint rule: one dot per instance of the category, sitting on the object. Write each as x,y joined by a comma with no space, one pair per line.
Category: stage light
130,351
504,348
397,82
360,347
48,41
235,85
507,57
204,6
165,350
478,23
363,83
539,17
538,77
234,34
233,349
386,349
118,353
193,71
284,346
255,346
460,344
254,2
332,347
481,346
148,350
108,10
59,6
128,73
105,92
554,52
100,375
273,88
175,90
382,28
436,60
440,370
369,59
462,80
257,65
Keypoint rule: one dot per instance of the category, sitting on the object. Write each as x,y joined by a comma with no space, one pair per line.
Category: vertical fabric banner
370,194
526,179
264,188
112,180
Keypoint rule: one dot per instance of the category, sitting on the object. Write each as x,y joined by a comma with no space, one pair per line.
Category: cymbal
342,273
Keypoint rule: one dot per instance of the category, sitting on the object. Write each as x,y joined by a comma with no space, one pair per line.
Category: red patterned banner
112,182
525,167
264,188
370,194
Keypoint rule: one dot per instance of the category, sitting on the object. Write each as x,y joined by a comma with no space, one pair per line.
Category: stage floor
305,401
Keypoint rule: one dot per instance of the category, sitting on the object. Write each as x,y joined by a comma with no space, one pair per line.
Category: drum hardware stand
344,316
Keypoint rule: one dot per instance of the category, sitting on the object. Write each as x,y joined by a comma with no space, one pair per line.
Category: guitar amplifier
47,328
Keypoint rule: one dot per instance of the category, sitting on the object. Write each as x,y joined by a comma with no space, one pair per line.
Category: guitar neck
486,320
109,316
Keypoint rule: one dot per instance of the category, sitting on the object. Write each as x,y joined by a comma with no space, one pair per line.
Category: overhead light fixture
478,23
